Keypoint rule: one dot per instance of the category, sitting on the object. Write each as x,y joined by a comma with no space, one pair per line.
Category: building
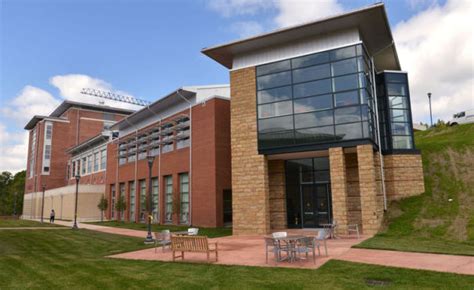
187,132
52,140
321,126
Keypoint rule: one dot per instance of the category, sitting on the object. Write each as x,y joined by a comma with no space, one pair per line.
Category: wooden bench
195,244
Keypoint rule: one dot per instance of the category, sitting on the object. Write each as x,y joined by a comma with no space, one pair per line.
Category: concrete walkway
34,228
250,251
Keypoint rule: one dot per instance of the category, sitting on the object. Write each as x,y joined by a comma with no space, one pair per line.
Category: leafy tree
12,188
102,206
120,206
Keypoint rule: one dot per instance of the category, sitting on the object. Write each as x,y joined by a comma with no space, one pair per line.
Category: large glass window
184,198
96,161
318,98
142,200
131,208
103,159
112,203
155,191
168,198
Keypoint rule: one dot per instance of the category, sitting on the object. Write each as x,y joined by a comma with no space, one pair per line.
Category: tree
103,205
12,189
120,206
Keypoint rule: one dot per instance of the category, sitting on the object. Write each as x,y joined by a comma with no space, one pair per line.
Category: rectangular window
122,189
312,88
73,169
274,80
273,67
275,109
84,166
322,118
96,161
347,115
131,208
318,103
274,95
89,164
311,73
103,159
47,152
182,143
275,124
184,198
168,147
112,204
33,152
49,131
309,60
142,200
155,191
168,198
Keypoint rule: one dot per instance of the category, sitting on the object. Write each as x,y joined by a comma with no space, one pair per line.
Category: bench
195,244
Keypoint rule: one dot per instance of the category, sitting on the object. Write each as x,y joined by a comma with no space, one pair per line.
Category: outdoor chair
273,246
321,237
193,231
163,238
307,245
332,229
279,234
353,229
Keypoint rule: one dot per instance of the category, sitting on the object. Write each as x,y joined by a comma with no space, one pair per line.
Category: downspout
382,171
190,156
159,170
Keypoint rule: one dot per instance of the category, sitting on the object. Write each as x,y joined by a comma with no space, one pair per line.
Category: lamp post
431,116
42,203
149,237
74,226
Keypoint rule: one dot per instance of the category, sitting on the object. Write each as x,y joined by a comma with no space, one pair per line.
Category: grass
76,259
8,223
430,222
210,232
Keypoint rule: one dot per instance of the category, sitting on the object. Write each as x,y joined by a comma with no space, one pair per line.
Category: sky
51,49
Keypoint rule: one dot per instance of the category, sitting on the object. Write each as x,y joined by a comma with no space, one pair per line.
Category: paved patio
246,251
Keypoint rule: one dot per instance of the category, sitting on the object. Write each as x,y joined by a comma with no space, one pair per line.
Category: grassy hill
441,220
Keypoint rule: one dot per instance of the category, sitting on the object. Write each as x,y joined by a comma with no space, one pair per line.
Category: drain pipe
190,156
382,171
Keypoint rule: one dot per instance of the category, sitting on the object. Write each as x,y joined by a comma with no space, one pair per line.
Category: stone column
371,208
250,191
337,165
276,177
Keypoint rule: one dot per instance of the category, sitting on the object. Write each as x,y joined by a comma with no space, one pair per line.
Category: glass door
309,206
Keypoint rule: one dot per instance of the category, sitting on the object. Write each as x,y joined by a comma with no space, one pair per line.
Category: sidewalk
109,230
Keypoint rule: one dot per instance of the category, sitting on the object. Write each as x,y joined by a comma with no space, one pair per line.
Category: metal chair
353,229
272,246
321,237
307,245
163,238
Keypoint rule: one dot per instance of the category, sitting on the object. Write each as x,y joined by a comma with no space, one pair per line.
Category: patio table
291,241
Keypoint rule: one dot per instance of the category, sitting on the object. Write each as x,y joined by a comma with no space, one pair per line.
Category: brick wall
250,192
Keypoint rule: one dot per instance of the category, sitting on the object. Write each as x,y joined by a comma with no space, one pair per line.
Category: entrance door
315,205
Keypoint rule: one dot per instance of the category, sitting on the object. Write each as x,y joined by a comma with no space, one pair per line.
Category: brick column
371,208
339,188
276,177
250,191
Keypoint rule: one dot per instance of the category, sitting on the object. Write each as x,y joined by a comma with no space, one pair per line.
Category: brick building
320,125
188,133
49,165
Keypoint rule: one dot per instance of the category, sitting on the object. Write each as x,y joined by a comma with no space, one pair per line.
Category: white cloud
13,150
435,47
296,12
247,28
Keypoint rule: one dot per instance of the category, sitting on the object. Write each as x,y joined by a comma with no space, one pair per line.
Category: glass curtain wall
142,200
184,198
319,98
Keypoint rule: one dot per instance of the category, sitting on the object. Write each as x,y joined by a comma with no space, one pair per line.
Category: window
155,191
327,98
142,209
96,161
73,169
84,166
131,188
168,198
47,152
182,143
89,164
168,147
103,159
155,151
49,131
112,204
184,198
33,152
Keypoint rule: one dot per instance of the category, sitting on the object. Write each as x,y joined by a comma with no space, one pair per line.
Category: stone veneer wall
353,189
340,208
403,175
250,191
276,177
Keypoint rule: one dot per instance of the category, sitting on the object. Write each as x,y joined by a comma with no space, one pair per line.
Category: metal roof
371,21
89,143
36,118
65,105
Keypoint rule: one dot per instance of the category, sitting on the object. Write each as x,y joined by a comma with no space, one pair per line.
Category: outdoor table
291,241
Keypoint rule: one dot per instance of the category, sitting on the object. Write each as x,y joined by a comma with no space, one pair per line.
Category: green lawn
210,232
76,259
430,222
8,223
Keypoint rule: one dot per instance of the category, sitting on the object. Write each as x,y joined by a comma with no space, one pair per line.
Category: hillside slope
441,220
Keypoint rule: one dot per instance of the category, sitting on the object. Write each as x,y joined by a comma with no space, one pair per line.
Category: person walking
51,216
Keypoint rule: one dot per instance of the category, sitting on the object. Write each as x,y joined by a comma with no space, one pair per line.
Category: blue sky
143,48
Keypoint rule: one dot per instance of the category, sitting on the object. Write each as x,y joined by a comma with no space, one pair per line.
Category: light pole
431,116
42,203
149,237
74,226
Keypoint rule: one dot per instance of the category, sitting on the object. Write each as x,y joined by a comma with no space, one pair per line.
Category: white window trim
47,142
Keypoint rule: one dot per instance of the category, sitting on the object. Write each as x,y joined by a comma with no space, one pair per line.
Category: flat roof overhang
371,21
